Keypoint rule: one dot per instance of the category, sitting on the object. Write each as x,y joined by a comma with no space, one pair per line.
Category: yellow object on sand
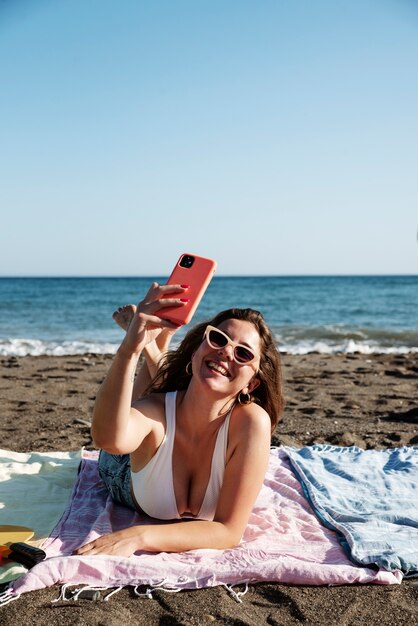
10,533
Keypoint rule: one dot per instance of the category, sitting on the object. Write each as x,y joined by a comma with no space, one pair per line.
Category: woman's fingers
147,321
156,299
156,291
173,288
96,545
121,543
154,320
147,311
167,302
84,549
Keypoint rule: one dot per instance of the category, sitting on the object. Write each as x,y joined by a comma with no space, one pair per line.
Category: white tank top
153,486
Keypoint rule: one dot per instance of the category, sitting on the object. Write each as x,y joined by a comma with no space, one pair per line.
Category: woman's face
217,368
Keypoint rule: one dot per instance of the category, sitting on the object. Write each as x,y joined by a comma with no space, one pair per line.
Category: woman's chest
192,468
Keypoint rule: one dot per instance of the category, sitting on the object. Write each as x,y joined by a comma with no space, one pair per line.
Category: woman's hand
121,543
145,326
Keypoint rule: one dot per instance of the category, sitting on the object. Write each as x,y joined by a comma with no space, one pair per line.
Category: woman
199,440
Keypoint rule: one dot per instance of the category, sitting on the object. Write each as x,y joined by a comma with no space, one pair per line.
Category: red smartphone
192,270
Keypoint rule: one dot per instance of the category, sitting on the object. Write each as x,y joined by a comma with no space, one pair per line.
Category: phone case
198,277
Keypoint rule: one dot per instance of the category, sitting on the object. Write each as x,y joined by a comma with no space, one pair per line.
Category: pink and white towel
283,542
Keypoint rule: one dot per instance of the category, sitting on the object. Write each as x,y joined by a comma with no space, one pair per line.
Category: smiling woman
175,371
189,438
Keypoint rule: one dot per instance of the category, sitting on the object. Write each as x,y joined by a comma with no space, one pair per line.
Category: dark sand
369,401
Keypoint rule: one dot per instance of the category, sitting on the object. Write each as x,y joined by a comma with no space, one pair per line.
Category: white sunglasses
218,339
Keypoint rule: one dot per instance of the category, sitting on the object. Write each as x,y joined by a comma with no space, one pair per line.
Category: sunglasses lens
243,355
217,339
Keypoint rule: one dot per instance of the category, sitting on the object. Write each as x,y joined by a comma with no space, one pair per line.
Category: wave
292,340
347,347
37,347
331,339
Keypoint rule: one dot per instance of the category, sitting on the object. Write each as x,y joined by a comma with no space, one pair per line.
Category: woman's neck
199,410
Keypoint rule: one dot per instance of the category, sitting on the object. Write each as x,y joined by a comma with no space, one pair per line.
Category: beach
368,400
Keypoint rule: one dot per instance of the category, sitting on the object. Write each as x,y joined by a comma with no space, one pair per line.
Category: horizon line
260,275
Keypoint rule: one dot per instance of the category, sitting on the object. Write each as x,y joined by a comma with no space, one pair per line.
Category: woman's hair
172,374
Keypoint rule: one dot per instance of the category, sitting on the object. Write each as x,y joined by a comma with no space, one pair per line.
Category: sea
323,314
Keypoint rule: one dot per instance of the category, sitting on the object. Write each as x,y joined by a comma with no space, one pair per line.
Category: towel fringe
237,595
8,596
62,597
146,594
112,593
172,590
79,592
159,586
155,587
75,595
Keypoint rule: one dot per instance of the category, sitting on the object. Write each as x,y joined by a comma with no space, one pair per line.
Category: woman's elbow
108,444
102,443
99,439
231,537
232,542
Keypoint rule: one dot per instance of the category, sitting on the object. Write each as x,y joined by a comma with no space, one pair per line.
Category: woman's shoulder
250,419
151,405
249,430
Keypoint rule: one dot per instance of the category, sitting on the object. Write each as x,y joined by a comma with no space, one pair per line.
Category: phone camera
187,261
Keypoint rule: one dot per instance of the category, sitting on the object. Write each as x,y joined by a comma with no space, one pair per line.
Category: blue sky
277,137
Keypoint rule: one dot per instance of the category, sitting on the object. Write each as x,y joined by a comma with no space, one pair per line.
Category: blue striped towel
370,497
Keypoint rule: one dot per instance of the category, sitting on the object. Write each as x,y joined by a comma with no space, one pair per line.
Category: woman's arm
154,354
116,426
170,537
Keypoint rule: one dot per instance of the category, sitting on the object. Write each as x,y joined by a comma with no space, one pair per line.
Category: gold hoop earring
189,369
243,401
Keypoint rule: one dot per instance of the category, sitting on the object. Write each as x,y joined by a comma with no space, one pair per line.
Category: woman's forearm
142,381
113,401
147,370
187,535
170,537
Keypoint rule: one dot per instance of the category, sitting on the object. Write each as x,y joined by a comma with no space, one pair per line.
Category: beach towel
370,497
283,542
34,491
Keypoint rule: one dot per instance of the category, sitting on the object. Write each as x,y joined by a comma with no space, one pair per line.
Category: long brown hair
172,374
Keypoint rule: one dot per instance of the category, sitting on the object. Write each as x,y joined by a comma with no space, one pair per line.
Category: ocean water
307,314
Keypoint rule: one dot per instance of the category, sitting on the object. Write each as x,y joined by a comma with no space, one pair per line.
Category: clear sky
277,136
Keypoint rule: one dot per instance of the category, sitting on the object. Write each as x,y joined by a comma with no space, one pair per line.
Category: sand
369,401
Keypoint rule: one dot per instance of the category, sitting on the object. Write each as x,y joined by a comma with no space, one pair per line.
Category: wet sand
366,400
